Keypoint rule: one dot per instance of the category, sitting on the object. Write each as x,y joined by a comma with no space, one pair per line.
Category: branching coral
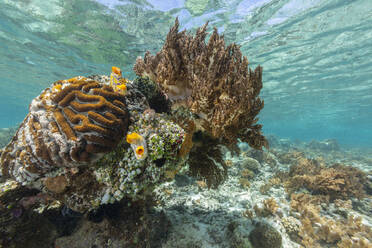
316,230
211,80
270,207
70,124
339,181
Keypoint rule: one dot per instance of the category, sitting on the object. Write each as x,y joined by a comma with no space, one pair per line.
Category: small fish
138,144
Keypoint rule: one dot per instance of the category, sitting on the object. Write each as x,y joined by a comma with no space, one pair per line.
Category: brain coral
70,124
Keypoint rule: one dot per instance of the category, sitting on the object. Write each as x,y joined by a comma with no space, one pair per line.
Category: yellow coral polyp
122,88
140,150
138,144
117,82
133,138
57,87
116,70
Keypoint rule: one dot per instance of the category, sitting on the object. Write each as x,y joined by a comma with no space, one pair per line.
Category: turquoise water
316,54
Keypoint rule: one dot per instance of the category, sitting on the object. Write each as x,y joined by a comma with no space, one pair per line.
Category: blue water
316,54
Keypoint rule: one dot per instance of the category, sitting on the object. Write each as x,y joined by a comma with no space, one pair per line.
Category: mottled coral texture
211,80
70,124
337,181
321,231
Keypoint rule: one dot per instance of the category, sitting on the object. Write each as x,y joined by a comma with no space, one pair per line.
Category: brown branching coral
317,230
70,124
211,80
338,182
270,207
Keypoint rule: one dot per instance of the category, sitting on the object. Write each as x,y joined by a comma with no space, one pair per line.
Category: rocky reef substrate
175,158
269,199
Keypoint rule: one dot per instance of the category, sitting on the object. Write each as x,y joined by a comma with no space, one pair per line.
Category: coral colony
90,141
94,140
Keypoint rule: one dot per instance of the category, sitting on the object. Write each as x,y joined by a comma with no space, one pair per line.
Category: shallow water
312,187
316,54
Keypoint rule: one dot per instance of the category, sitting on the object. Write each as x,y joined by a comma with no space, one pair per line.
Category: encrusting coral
125,175
70,124
211,80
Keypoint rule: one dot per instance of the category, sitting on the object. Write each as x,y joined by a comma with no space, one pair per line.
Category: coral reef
209,78
155,97
25,220
119,225
265,236
124,175
238,235
337,181
84,121
180,212
269,207
206,160
317,230
72,123
292,227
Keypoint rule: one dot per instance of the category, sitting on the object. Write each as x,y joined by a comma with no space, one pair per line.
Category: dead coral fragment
70,124
212,80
